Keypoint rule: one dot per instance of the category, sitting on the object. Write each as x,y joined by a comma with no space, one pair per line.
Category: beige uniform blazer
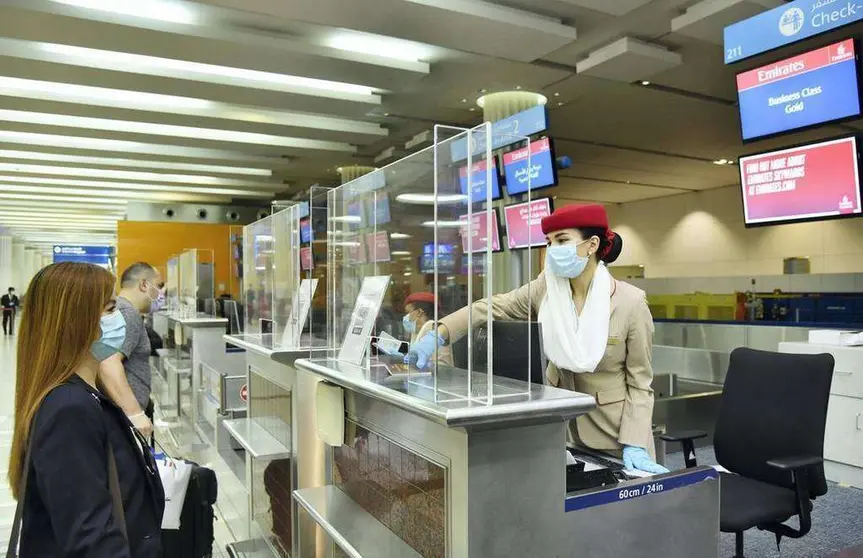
622,381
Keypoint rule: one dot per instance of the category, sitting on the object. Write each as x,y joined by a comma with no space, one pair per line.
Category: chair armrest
683,435
795,462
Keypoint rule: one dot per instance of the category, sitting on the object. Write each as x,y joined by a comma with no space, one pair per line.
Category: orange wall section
155,243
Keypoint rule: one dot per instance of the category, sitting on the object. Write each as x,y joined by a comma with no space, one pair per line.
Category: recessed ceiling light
518,87
386,114
560,104
464,100
150,128
132,175
472,109
483,90
386,47
720,162
239,192
645,83
128,194
399,236
557,94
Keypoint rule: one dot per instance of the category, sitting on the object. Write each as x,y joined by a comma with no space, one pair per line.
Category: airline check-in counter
447,460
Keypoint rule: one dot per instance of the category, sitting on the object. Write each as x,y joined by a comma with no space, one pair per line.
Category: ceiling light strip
150,128
238,192
153,102
101,144
135,175
130,195
181,69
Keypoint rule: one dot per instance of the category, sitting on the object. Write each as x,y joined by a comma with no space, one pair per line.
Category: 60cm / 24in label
635,492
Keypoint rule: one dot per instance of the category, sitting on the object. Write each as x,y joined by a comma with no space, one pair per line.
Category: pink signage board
524,223
306,262
379,246
479,231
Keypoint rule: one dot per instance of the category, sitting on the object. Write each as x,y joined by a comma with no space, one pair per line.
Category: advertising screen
524,223
820,180
479,231
382,209
306,261
305,231
543,171
478,181
445,258
379,246
811,88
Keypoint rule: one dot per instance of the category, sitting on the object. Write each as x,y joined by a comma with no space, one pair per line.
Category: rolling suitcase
195,538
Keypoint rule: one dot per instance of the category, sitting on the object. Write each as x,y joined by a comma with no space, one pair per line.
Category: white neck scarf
572,342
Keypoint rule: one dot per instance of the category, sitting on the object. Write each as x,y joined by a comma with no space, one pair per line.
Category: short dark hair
136,272
426,307
11,288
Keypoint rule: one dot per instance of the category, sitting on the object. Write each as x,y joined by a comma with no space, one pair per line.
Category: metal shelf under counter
254,438
349,526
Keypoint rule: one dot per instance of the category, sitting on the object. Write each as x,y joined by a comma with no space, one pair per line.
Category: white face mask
564,260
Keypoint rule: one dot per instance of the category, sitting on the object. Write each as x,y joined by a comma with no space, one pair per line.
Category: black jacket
68,511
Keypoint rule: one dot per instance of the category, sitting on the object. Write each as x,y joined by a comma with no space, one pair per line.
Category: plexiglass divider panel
172,284
197,283
425,224
287,309
313,264
258,279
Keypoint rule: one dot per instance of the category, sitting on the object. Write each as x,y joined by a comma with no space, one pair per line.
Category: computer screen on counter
543,171
805,90
815,181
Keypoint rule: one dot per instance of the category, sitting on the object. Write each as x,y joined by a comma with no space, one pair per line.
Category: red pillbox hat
576,217
420,297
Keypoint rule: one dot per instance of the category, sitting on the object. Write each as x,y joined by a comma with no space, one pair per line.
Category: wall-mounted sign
524,223
100,255
479,232
479,185
543,171
812,88
503,132
788,24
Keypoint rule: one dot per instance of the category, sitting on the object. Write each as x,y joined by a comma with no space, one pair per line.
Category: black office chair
770,436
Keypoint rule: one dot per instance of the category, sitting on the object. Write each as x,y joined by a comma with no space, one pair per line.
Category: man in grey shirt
126,376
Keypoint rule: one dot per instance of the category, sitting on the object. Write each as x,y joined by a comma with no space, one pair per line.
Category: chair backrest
774,405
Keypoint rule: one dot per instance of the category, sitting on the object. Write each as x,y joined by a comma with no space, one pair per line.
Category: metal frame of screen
786,221
541,241
556,180
817,124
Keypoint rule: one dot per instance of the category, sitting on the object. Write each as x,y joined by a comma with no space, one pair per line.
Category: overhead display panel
504,132
479,181
816,181
542,172
787,24
812,88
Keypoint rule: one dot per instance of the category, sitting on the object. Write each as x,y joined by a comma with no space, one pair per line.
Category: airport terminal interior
327,195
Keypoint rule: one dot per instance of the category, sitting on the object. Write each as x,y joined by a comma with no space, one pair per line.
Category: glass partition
172,284
197,283
313,264
426,224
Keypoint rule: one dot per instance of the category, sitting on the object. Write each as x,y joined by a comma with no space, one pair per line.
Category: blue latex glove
423,350
639,459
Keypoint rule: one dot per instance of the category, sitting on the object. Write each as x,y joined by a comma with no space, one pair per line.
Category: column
18,273
495,107
352,172
6,263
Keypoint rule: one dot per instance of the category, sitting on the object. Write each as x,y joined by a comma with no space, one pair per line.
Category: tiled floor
177,437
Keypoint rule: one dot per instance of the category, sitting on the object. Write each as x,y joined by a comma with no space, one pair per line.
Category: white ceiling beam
503,14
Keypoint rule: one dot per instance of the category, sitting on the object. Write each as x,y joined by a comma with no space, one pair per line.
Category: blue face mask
409,325
113,335
564,261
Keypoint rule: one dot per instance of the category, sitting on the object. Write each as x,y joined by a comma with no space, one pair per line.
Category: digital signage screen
306,261
524,223
812,88
542,172
305,231
479,187
815,181
382,209
445,258
379,246
479,232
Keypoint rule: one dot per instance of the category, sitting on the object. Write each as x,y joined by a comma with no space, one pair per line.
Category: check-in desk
432,475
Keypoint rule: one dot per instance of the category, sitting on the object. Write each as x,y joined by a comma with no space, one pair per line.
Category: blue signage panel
788,24
638,489
88,254
542,173
305,231
805,90
504,132
478,182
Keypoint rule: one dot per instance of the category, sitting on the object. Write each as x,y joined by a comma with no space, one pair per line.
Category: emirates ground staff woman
597,333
